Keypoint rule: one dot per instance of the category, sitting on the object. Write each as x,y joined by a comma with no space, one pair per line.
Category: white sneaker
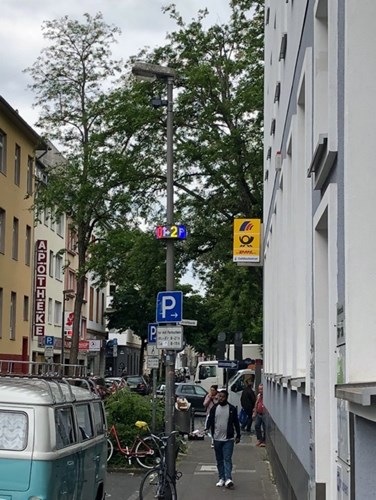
220,483
229,483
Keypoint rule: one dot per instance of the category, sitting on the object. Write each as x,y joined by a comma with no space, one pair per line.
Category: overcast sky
141,21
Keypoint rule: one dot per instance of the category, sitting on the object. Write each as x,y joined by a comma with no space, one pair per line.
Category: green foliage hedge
124,408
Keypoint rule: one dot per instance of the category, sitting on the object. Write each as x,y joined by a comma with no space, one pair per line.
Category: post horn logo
246,239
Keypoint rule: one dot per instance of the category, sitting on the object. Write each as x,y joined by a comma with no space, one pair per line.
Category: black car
193,393
137,383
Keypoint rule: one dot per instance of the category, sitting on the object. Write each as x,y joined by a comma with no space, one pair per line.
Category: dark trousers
260,427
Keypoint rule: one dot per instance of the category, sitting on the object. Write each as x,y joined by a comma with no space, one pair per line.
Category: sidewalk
251,473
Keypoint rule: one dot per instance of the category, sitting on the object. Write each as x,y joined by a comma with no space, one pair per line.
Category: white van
236,385
53,441
208,373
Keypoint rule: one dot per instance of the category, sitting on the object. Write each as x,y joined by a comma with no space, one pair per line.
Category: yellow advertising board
247,241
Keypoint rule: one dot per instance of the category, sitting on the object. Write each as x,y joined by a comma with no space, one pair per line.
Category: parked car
193,393
161,390
137,383
115,383
95,384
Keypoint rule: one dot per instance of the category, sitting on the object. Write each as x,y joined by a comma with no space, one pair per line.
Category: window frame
17,165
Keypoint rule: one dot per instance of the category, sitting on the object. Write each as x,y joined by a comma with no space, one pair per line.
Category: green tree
218,168
70,79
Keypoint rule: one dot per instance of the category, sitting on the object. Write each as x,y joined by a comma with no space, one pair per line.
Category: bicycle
145,450
157,483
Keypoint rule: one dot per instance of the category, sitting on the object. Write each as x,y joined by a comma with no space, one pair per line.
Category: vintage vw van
52,440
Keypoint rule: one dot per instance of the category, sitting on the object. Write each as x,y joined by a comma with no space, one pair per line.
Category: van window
99,423
85,424
13,430
65,434
207,371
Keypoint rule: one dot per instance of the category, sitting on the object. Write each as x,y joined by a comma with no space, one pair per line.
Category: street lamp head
152,71
69,294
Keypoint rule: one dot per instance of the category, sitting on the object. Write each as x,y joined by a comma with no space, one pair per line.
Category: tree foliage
218,153
115,171
70,81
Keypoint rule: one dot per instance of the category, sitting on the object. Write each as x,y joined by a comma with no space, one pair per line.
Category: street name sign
170,337
169,307
228,363
188,322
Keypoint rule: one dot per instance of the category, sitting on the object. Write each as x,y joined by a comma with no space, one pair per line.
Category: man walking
258,414
223,423
247,401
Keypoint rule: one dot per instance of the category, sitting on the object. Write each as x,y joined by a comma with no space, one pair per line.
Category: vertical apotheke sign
40,288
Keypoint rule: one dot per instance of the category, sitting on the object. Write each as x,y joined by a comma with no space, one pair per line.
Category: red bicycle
146,450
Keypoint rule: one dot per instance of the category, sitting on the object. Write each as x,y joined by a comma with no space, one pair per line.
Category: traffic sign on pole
170,337
169,307
152,333
228,363
188,322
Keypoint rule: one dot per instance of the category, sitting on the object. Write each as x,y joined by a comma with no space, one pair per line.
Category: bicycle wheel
155,485
143,455
110,449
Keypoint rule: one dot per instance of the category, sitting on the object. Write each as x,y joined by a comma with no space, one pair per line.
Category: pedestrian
223,423
247,401
259,414
210,400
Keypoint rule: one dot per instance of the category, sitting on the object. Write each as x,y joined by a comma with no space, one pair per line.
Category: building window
103,306
26,308
1,312
59,267
49,311
2,230
29,178
60,225
72,280
13,316
57,313
72,239
83,328
3,152
15,239
51,264
28,246
17,164
97,306
91,304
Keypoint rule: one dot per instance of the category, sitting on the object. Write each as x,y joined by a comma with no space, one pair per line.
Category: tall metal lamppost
155,72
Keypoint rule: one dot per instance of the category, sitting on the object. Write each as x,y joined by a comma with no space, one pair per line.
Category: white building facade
320,271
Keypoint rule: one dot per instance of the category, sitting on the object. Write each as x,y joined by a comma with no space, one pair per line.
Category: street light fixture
67,294
155,72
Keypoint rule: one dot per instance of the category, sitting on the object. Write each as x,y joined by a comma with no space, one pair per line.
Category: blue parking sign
152,333
48,340
169,307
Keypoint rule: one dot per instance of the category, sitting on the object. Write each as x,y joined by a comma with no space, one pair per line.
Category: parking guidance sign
169,307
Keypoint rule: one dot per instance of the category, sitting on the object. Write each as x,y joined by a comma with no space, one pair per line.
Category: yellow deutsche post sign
247,240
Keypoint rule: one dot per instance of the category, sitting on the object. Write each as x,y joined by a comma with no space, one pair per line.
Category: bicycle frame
131,452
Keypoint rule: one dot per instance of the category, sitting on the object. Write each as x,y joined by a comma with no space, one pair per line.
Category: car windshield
135,380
